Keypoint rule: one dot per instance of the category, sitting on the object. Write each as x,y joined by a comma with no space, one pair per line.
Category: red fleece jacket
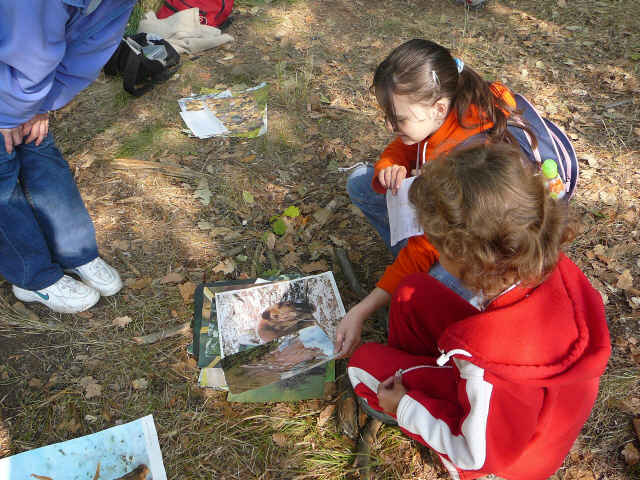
513,384
419,254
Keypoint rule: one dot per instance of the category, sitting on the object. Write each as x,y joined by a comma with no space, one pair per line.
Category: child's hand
349,332
391,177
390,392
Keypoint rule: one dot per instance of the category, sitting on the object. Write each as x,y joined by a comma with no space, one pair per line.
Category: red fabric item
419,254
212,12
517,381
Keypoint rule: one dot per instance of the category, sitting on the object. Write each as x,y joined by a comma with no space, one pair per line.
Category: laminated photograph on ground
130,450
232,112
259,314
282,358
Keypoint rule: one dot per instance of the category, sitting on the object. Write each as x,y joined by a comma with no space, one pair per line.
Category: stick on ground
347,269
162,334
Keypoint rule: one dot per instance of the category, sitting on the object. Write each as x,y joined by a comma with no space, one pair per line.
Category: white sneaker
99,275
67,295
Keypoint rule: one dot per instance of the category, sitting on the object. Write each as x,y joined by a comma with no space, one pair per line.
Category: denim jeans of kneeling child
44,225
372,204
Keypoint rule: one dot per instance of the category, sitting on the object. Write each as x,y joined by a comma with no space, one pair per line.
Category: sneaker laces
68,284
96,268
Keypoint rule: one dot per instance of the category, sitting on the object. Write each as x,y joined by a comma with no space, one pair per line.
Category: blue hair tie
459,64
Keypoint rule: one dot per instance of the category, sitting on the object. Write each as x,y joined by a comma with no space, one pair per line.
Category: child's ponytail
473,90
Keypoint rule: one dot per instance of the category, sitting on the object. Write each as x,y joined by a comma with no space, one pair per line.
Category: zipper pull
444,358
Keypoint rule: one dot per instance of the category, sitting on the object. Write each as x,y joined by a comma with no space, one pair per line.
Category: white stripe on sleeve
468,450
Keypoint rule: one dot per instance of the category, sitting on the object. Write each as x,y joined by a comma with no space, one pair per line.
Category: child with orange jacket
434,103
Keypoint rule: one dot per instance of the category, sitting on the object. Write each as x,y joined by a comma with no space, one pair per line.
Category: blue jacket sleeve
50,50
32,44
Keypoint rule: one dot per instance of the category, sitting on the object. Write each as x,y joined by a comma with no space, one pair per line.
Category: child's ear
442,108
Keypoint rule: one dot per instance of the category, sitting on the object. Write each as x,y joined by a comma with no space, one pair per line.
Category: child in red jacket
494,356
433,102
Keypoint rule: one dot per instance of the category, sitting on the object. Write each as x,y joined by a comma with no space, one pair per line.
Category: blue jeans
44,225
372,204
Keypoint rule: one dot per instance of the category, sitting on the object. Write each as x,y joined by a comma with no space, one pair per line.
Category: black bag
143,60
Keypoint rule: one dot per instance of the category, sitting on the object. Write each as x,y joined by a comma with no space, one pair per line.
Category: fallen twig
162,334
347,269
619,104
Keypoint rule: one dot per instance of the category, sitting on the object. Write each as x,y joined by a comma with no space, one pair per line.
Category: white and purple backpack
553,143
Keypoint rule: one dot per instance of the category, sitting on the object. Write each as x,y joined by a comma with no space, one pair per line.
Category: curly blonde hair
485,208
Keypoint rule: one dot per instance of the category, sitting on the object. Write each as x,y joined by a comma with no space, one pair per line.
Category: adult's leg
51,189
25,259
372,204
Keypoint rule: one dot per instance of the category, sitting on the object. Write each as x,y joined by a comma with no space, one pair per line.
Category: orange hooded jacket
419,255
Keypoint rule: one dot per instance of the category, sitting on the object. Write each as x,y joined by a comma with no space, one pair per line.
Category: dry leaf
634,302
226,266
326,414
123,245
636,427
578,473
609,198
320,265
35,383
173,277
92,390
23,310
290,259
630,454
121,321
138,283
270,240
140,384
187,290
203,193
279,439
84,381
625,280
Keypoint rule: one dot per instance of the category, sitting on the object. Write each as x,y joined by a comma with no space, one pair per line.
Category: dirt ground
577,61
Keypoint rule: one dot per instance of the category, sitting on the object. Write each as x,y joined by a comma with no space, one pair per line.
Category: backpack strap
130,72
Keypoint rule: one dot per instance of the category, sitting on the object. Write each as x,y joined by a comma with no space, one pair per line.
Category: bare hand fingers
8,143
44,131
384,178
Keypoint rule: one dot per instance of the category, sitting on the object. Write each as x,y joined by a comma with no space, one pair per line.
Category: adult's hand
37,128
12,137
392,177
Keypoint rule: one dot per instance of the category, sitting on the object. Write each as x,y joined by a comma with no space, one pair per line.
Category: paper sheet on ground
403,219
119,450
237,112
203,123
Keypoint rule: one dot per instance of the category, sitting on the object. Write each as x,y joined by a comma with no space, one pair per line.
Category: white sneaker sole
29,296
